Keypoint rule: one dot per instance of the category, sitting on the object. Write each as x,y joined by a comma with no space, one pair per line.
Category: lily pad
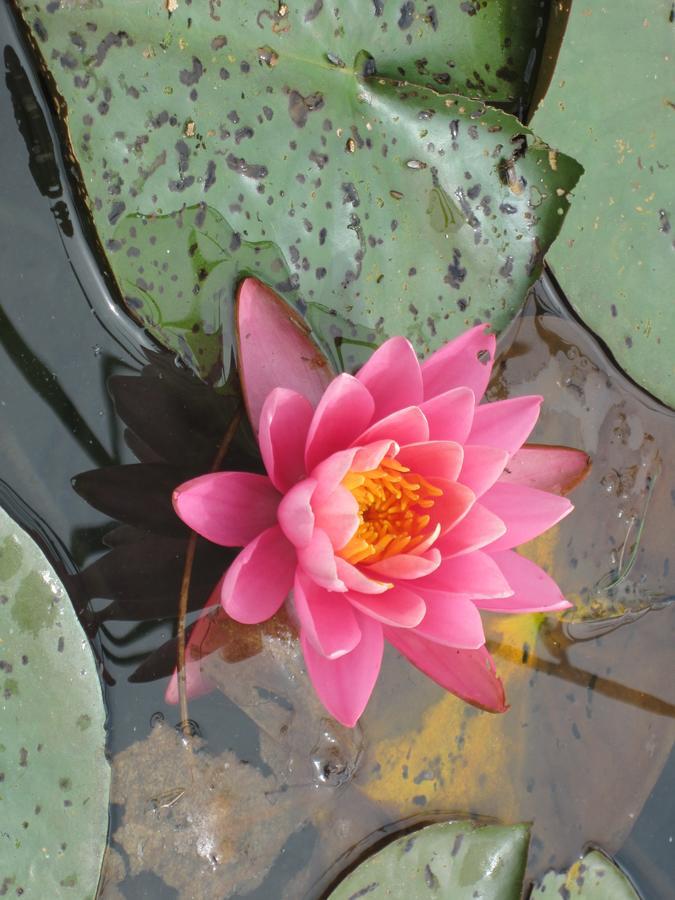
282,141
614,259
595,877
54,777
446,861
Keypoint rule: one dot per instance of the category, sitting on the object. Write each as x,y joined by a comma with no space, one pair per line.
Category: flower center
393,511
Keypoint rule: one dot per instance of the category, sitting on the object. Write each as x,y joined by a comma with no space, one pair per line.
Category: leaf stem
185,726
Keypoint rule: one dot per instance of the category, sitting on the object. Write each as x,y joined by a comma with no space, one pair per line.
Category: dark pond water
585,752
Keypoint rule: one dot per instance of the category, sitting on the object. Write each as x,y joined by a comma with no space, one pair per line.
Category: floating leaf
53,771
595,877
614,259
446,861
282,141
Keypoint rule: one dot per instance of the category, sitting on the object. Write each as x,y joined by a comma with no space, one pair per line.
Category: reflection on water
268,778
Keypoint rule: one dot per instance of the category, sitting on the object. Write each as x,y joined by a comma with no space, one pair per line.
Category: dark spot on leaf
373,886
314,11
456,272
299,107
191,76
457,844
507,269
112,39
40,30
250,170
506,74
629,342
218,42
350,194
430,879
116,211
470,7
320,159
407,15
242,134
210,175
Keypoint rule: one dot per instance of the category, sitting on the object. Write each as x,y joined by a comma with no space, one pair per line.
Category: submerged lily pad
446,861
611,103
54,777
282,141
595,877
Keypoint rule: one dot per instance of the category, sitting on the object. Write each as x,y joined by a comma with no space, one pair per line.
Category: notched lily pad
282,141
54,777
595,877
446,861
614,259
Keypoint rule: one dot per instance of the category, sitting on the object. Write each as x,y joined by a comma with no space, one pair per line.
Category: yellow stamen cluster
392,511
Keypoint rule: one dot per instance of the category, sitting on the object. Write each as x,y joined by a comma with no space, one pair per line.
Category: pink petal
275,350
399,606
284,423
505,423
450,415
482,467
338,516
453,504
317,560
453,621
442,459
407,426
474,575
469,674
370,456
526,512
228,508
344,685
428,541
330,472
476,530
557,469
356,580
534,590
196,683
405,565
465,361
259,579
326,618
393,377
295,513
345,409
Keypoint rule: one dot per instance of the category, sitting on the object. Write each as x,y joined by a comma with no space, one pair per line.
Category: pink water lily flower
392,502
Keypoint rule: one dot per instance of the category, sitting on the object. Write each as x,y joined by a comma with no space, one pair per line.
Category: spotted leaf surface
54,777
314,145
446,861
615,258
595,877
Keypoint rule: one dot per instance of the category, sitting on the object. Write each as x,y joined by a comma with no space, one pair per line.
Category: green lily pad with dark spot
446,861
611,102
315,146
54,777
595,877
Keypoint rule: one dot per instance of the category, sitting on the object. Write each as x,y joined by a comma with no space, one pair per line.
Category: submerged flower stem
185,726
